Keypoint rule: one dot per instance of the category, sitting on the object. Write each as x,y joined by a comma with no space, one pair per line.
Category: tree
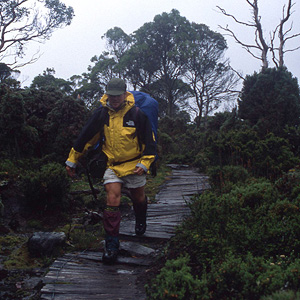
117,42
6,76
63,125
5,72
162,58
90,85
12,122
261,44
22,21
54,118
270,100
208,73
49,80
159,49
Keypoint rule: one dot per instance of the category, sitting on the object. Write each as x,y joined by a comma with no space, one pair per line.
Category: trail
83,275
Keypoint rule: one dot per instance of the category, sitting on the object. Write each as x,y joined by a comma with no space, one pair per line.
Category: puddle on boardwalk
124,271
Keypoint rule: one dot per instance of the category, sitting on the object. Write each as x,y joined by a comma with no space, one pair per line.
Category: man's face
116,101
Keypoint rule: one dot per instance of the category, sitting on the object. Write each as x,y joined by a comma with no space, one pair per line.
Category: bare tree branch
22,21
279,32
260,43
283,36
223,11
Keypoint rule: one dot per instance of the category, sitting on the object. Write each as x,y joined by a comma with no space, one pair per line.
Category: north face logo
130,123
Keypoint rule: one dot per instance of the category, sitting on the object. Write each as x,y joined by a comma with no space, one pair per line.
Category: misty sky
69,50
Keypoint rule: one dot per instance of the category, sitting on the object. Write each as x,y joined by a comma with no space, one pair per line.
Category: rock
44,243
136,249
32,283
92,218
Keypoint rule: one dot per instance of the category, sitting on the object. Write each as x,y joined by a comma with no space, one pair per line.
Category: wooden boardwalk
82,275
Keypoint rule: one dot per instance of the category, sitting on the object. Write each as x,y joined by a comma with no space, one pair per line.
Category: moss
37,224
9,242
19,258
82,237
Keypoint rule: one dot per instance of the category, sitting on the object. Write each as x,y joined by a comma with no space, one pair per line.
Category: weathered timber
82,275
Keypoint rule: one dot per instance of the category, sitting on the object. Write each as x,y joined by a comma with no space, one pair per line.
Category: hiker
129,156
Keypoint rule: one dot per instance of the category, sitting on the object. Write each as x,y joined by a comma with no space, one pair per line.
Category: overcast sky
70,49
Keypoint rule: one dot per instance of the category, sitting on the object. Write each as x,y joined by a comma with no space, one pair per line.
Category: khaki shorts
130,181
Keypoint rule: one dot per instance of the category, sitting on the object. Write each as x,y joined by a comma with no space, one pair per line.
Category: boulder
44,243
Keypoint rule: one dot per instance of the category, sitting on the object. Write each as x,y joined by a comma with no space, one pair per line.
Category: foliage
6,76
8,170
83,237
267,155
63,125
39,122
46,188
270,100
243,243
48,80
175,281
283,295
180,142
288,185
166,58
251,277
224,178
12,122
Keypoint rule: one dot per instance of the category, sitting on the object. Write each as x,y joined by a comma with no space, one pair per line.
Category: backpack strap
103,118
138,127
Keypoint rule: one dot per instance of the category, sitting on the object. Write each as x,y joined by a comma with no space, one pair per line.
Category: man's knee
138,195
113,192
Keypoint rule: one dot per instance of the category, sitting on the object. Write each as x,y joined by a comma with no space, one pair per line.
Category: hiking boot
140,218
140,228
111,250
140,225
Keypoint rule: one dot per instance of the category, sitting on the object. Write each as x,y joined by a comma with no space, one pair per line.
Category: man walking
129,144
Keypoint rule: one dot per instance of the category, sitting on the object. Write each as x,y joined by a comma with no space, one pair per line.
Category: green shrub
250,277
8,170
289,185
175,281
240,242
251,217
283,295
47,187
176,158
201,161
226,176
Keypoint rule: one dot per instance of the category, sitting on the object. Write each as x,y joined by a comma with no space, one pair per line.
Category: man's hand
71,171
139,171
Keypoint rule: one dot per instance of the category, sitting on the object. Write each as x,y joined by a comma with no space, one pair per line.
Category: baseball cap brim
114,93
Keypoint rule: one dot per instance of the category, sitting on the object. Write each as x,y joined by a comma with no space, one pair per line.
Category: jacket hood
129,99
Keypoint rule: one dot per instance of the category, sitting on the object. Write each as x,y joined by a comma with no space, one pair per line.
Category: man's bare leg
111,222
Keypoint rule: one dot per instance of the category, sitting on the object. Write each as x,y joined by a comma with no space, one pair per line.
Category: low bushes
242,243
46,187
175,281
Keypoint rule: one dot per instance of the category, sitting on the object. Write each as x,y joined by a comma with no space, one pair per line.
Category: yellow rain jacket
124,146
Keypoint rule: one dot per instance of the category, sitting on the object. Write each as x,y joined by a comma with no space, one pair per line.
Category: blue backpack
149,106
